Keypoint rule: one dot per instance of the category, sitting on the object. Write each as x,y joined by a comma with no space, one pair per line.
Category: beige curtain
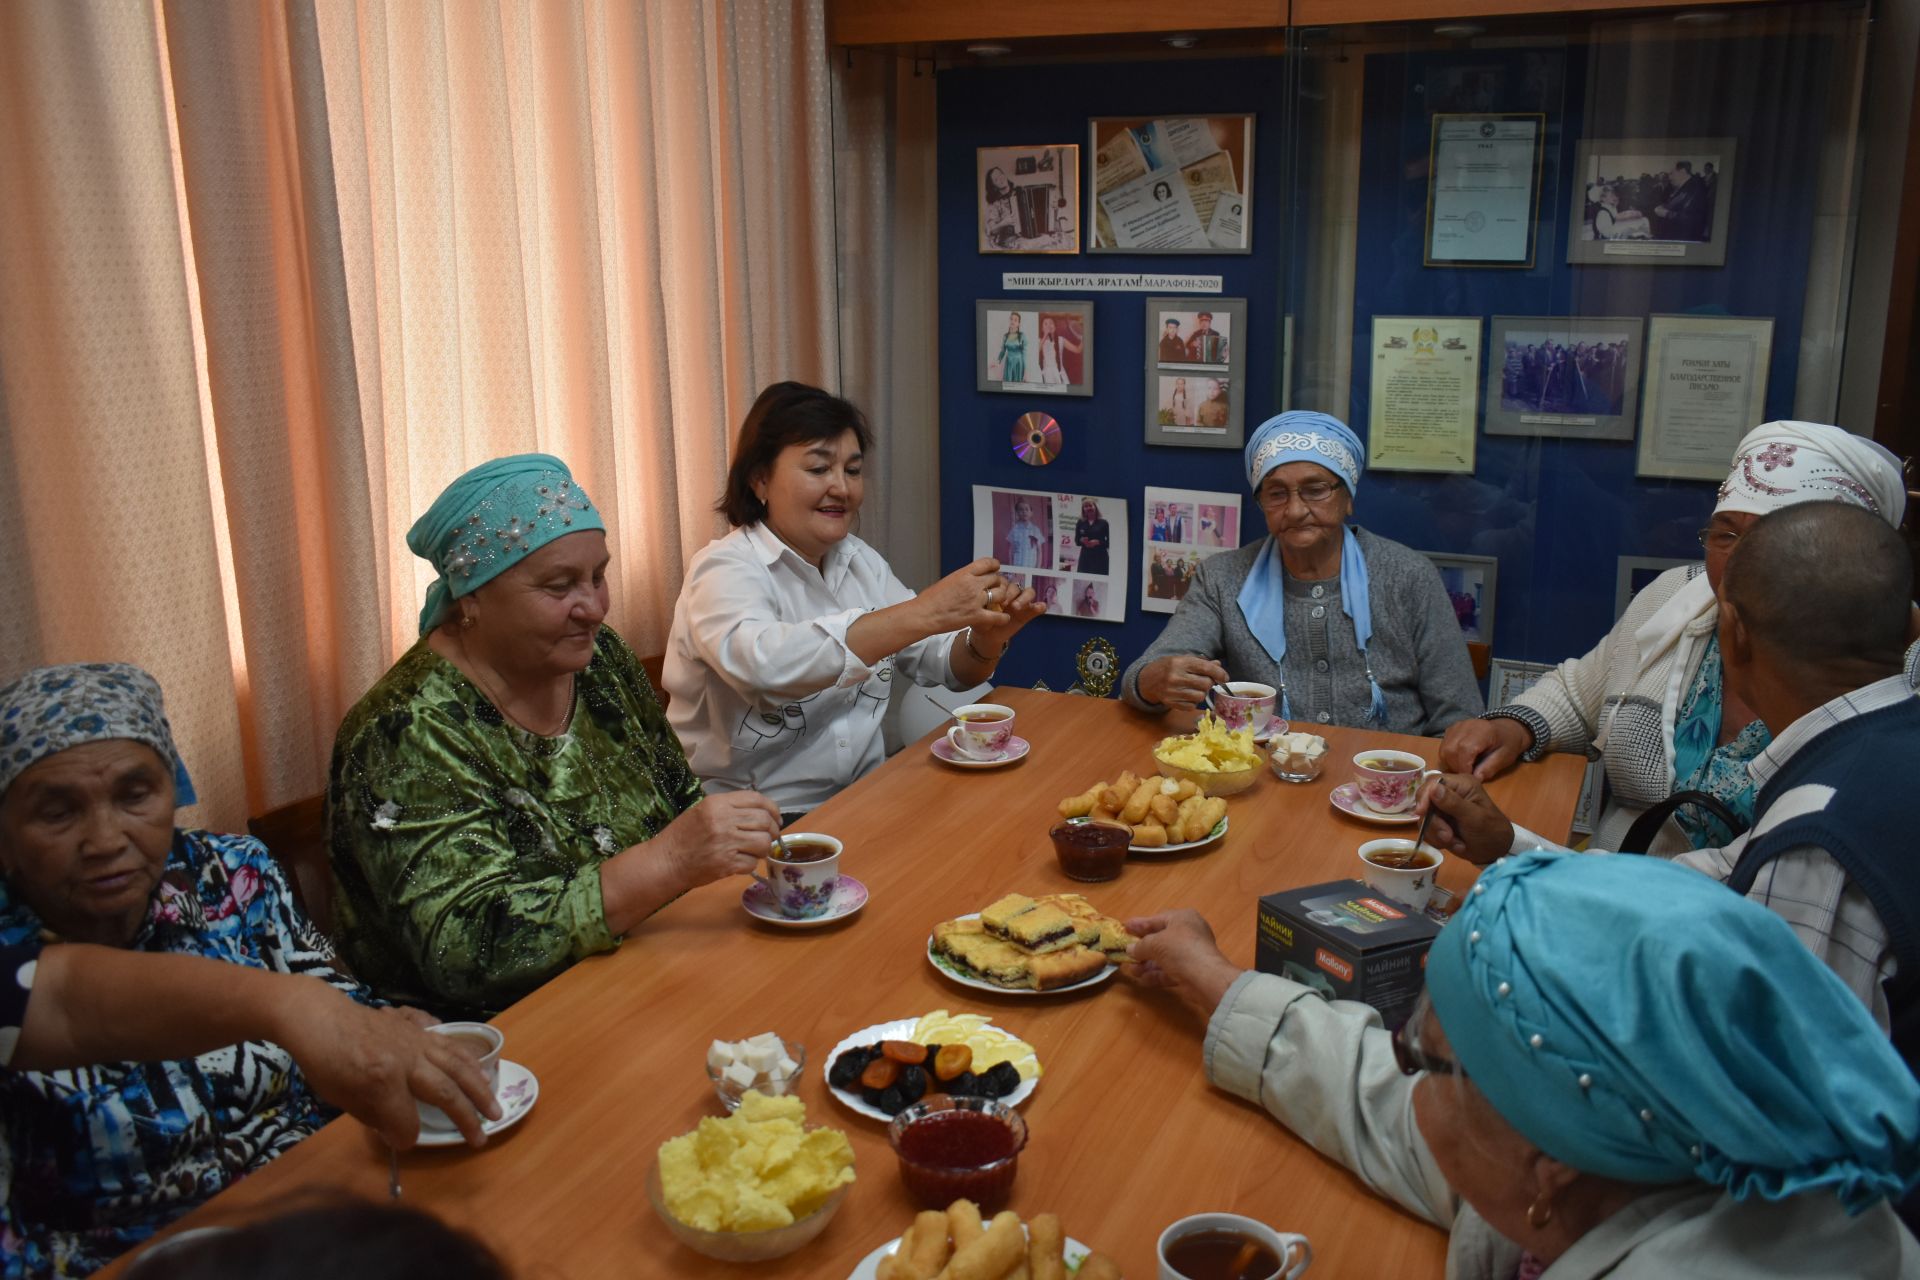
271,275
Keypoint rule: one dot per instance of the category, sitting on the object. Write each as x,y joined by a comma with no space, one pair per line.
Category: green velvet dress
466,852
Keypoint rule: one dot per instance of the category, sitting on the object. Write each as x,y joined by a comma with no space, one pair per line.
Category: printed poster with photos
1196,372
1175,184
1184,528
1071,548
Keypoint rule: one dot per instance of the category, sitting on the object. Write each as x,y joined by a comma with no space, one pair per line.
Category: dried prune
912,1083
999,1080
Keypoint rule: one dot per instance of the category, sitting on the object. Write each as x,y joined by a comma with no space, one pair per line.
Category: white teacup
1244,704
984,731
487,1042
1295,1254
1410,886
802,886
1390,790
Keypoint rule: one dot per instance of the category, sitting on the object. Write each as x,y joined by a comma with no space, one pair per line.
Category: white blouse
764,693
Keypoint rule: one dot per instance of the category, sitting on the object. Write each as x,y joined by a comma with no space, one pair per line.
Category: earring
1540,1212
466,622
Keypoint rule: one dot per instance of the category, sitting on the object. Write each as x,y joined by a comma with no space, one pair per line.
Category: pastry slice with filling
997,962
1043,929
999,916
1064,968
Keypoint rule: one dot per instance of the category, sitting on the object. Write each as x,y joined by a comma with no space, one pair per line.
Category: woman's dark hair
786,413
339,1237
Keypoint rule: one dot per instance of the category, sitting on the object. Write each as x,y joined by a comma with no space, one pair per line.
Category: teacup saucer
849,895
518,1090
1346,798
1017,748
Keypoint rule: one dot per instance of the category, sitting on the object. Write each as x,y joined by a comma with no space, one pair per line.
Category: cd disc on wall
1036,439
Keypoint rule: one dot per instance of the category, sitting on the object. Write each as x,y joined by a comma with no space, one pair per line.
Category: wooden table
1126,1133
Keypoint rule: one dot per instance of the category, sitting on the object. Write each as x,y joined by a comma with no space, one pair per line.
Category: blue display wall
1557,513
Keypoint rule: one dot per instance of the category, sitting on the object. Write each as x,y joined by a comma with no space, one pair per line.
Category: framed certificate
1483,189
1424,398
1706,387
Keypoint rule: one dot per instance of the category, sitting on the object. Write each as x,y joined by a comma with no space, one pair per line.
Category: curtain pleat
109,519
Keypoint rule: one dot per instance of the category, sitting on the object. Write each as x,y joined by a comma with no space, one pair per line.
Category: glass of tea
1400,870
1227,1246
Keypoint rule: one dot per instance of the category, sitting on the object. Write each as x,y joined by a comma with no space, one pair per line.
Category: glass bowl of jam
1091,850
958,1148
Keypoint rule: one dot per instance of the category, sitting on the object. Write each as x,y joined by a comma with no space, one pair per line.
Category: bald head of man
1815,600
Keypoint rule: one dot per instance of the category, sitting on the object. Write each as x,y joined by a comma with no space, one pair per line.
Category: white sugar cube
784,1068
765,1040
738,1074
721,1055
761,1057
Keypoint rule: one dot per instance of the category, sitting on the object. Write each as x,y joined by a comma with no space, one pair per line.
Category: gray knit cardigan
1417,652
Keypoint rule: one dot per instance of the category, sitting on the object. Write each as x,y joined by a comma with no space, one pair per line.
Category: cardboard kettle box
1347,942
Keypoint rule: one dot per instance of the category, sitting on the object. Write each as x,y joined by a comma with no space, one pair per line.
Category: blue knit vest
1871,763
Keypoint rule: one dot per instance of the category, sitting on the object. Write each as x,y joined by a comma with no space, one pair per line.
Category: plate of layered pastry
1030,946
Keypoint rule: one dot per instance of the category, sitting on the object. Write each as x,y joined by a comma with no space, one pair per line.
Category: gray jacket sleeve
1197,627
1326,1071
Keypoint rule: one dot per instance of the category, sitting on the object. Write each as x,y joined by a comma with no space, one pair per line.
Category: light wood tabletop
1126,1135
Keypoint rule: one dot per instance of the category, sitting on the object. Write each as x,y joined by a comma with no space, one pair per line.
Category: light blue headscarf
1300,435
1638,1020
491,517
50,709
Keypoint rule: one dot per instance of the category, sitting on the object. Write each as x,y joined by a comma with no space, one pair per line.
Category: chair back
1482,655
655,665
296,835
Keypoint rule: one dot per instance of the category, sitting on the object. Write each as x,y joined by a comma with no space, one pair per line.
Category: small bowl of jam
1091,850
958,1149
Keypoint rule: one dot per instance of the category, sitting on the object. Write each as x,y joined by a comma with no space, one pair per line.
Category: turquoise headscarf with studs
1641,1021
490,519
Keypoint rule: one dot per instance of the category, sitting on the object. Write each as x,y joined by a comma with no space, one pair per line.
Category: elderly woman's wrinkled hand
1176,951
1466,821
1484,748
723,835
373,1064
1180,680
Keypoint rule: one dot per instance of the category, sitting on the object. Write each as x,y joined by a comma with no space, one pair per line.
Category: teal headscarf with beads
492,517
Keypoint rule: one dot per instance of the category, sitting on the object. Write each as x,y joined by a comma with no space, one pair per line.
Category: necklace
471,669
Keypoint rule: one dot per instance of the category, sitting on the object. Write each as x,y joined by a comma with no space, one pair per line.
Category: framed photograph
1508,678
1196,372
1472,583
1660,202
1029,198
1706,387
1564,376
1183,529
1033,348
1483,188
1631,575
1171,184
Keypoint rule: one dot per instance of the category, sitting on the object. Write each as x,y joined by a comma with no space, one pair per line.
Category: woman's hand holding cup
724,835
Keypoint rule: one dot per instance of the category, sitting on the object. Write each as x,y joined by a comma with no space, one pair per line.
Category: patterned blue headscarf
1641,1021
491,517
50,709
1300,435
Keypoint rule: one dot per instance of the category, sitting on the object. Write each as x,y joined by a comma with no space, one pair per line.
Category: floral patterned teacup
802,876
481,1039
1242,704
983,732
1389,781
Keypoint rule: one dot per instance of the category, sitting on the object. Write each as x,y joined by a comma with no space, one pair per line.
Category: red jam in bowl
1091,850
958,1152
